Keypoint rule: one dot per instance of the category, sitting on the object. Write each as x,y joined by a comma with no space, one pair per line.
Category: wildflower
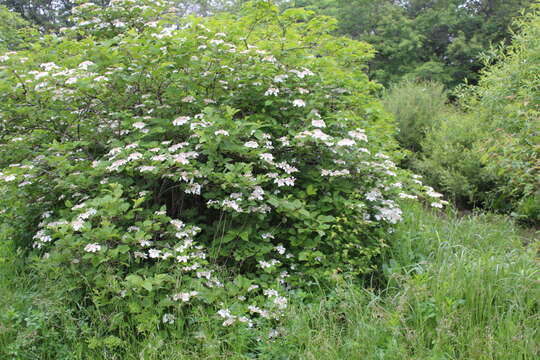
272,91
318,123
280,78
251,144
407,196
257,194
92,248
85,64
346,142
77,224
285,181
154,253
185,297
267,157
181,120
270,292
222,132
299,103
168,318
280,249
134,156
358,135
281,302
139,125
373,195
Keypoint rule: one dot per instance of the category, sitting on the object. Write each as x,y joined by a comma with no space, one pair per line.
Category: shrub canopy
220,162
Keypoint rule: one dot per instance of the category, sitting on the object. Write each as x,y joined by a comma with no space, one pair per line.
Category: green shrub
490,155
416,106
216,166
451,159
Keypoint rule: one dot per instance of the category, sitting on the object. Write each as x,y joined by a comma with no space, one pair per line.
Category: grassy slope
458,288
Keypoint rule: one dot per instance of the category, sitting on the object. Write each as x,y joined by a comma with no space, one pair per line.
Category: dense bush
417,107
160,168
14,30
491,154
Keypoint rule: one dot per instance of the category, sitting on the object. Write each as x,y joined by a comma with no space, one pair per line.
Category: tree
14,30
437,40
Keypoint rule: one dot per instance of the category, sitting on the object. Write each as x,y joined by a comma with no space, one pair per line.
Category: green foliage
216,167
451,159
457,287
425,40
491,155
417,107
14,31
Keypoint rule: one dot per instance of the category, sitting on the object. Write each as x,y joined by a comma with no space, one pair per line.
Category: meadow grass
455,287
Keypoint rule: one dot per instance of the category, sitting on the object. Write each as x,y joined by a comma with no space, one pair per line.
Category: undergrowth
457,287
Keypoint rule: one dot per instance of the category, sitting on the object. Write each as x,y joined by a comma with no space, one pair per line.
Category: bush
416,106
451,160
219,165
490,155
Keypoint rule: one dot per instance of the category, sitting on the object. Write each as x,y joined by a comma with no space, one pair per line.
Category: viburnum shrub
165,165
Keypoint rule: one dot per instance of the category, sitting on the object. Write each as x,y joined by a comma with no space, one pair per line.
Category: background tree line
439,40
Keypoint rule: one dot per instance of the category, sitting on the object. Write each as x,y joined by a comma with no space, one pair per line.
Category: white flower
281,302
222,132
139,125
272,91
257,193
168,318
77,224
373,195
318,134
431,193
299,103
9,178
92,248
318,123
358,135
181,120
280,249
188,99
85,64
185,297
280,78
346,142
251,144
407,196
437,205
285,181
119,24
145,243
154,253
267,157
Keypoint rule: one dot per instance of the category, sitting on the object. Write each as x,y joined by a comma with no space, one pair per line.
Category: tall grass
458,287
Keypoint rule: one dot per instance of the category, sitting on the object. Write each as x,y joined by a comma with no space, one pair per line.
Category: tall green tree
14,30
46,14
437,40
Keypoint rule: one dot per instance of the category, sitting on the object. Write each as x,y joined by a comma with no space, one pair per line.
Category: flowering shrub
219,163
